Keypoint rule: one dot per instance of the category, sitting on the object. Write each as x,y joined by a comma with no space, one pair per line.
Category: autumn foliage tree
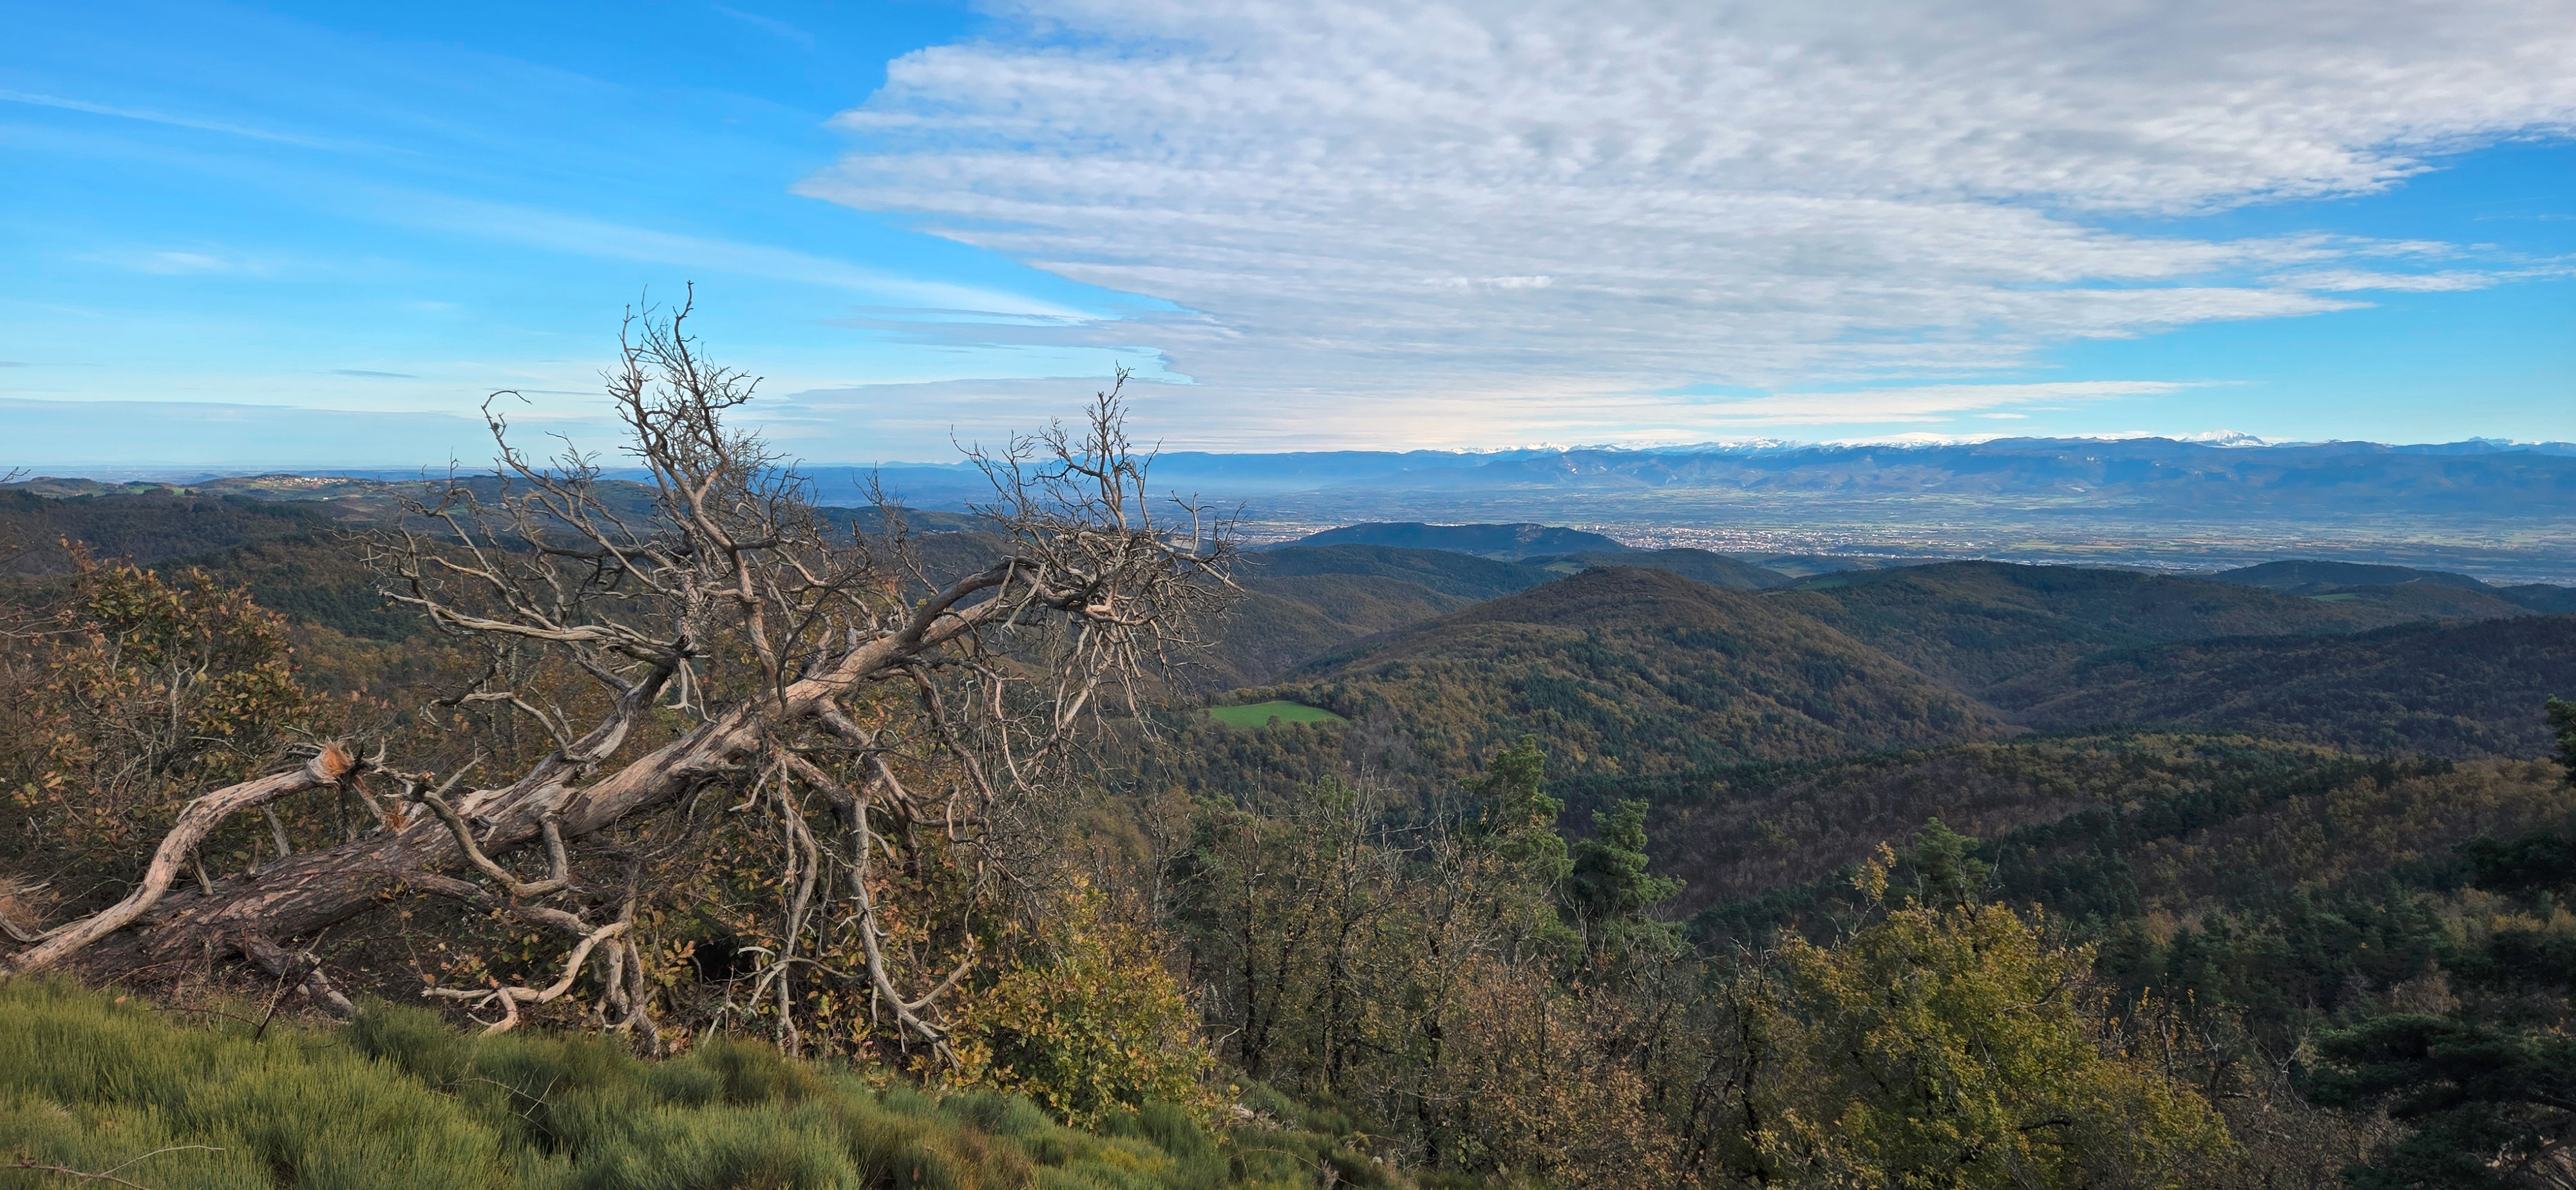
1500,1001
1950,1043
133,697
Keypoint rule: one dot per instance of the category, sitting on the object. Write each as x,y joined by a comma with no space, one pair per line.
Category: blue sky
306,235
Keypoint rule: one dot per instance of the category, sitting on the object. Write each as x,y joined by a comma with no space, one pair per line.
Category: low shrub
204,1100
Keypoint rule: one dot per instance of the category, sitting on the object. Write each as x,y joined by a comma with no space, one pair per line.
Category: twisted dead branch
724,632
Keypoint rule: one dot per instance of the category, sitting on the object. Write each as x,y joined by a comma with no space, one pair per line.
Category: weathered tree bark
197,821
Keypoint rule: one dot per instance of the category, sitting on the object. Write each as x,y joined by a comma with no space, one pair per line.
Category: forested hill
2120,824
1616,665
1639,670
1303,601
2339,581
1580,829
1697,565
2457,690
1626,671
149,527
1977,624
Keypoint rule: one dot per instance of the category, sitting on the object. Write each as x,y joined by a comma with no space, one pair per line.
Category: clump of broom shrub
397,1099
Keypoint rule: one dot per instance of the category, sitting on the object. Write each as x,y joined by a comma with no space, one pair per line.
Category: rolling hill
1974,625
1465,576
2303,575
2457,690
2439,593
1627,669
2115,824
1699,566
150,526
2548,599
1304,601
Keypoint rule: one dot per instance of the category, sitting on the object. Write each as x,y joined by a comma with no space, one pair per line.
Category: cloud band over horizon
1584,202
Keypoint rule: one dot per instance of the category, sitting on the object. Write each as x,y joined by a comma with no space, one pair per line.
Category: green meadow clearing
1261,714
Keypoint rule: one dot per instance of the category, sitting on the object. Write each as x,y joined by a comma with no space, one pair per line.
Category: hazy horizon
602,439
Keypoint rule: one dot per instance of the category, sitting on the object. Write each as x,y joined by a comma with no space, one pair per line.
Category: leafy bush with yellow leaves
1086,1021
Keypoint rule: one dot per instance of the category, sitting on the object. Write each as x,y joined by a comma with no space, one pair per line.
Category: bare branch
509,998
483,863
328,767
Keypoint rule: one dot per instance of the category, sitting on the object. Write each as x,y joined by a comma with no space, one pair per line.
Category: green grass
1262,714
2337,597
397,1099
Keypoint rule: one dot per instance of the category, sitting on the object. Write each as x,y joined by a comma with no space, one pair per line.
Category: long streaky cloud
597,237
195,123
1368,214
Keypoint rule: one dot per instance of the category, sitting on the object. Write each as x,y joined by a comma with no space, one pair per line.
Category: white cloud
1934,402
921,422
183,262
2349,280
595,237
1372,212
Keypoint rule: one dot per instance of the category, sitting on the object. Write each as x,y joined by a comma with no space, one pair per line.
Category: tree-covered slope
2118,825
1699,566
1304,601
1639,670
1977,624
2412,593
1465,576
2545,598
149,527
2457,690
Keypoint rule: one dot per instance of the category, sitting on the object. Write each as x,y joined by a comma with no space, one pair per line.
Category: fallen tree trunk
177,848
304,893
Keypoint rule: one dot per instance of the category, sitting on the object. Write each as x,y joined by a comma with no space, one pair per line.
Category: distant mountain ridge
2527,479
2484,508
2480,506
2113,461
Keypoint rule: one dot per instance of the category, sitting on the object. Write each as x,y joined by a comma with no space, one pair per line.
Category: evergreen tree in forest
2490,1088
1519,819
1609,890
1945,867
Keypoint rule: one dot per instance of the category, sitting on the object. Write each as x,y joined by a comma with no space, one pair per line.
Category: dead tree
725,631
